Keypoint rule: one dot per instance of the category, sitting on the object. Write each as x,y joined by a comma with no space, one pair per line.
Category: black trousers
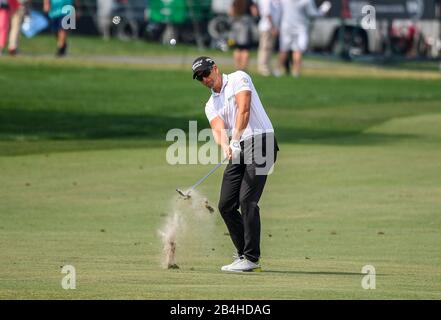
242,187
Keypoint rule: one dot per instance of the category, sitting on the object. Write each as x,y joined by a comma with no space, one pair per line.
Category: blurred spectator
294,30
7,7
242,12
407,38
269,11
16,22
54,8
4,23
104,15
125,9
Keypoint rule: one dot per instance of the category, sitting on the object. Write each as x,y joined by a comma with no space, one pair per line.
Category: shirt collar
224,83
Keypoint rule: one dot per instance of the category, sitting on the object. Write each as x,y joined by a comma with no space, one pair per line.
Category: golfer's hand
235,149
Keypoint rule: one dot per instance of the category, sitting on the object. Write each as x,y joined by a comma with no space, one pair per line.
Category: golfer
234,109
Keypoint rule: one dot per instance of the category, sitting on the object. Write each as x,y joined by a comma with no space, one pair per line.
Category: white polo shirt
223,104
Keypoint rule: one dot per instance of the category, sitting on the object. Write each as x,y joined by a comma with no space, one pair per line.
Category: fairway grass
84,182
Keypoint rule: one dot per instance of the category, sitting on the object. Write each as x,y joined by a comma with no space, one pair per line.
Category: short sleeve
210,112
241,82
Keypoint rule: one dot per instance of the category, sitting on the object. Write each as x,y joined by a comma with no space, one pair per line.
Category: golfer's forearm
241,123
219,131
243,100
220,137
224,140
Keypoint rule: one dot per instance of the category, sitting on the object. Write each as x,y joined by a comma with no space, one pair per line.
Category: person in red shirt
7,7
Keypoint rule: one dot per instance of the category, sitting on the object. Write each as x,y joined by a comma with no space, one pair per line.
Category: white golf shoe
242,265
236,260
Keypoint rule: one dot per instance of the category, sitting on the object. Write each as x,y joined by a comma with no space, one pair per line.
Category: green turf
83,45
84,182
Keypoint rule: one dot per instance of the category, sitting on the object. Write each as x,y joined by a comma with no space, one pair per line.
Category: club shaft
207,175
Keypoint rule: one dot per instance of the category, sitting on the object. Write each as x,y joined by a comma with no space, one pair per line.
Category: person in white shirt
269,11
104,17
235,108
294,27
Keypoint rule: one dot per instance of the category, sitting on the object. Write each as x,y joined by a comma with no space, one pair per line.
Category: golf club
186,195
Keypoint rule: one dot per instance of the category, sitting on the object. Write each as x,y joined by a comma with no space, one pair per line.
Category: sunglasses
201,75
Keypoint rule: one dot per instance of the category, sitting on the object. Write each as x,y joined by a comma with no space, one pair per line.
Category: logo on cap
200,62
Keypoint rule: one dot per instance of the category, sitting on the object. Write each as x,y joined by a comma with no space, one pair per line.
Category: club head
182,194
